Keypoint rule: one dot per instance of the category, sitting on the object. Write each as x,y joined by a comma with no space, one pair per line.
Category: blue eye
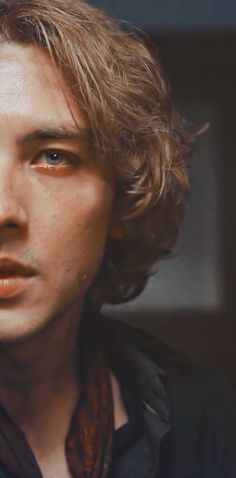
54,157
56,161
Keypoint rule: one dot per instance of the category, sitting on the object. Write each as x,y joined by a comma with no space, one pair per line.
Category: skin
56,219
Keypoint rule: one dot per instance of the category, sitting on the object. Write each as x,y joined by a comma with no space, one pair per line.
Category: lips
14,278
11,268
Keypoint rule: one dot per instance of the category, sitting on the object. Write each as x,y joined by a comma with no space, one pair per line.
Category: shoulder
202,405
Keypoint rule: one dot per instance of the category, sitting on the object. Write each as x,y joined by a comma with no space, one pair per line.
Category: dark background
191,301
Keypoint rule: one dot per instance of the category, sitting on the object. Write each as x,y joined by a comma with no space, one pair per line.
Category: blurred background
190,303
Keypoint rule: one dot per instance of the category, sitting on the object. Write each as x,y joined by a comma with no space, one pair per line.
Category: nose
13,216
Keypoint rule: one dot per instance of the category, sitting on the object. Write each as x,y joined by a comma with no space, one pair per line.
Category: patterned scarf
89,440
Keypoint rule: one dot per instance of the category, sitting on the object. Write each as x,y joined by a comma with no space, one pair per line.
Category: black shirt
128,434
188,424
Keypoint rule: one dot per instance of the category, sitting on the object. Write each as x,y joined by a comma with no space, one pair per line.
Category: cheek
75,235
88,217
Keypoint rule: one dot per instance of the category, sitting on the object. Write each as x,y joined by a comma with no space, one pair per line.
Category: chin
17,319
17,327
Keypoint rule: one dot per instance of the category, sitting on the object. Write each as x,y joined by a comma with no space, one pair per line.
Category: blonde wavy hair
119,83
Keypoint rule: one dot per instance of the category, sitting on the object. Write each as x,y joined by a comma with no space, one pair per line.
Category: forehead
32,88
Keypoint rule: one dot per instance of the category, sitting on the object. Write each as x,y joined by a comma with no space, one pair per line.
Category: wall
175,15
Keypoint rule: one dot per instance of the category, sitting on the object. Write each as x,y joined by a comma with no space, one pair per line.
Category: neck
38,377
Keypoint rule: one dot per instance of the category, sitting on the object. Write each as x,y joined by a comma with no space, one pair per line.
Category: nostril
12,225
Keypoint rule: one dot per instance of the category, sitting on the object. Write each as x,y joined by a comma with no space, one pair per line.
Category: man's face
55,205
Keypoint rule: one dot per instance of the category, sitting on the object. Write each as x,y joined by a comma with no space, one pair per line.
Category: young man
92,185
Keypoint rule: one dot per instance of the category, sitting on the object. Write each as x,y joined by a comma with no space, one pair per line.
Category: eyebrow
59,133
